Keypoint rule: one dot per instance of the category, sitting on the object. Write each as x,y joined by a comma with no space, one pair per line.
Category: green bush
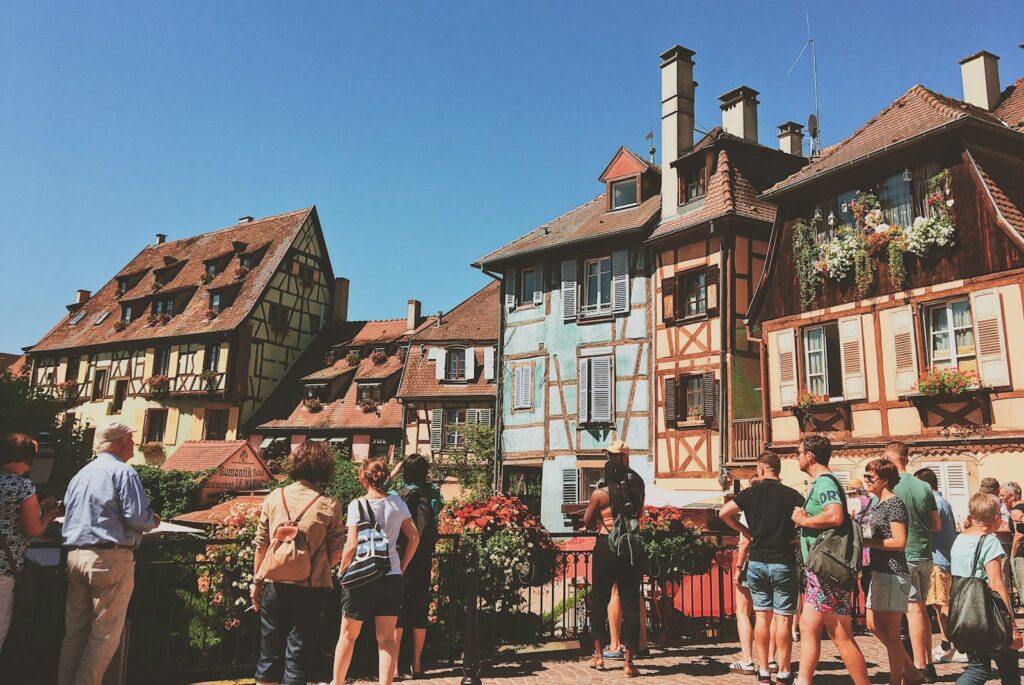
172,493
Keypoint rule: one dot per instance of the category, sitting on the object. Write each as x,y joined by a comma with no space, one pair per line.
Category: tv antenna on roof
813,128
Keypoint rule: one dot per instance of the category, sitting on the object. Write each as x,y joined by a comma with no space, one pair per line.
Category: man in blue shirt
938,590
106,514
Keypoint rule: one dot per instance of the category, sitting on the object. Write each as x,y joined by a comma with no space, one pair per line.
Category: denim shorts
773,587
920,579
889,592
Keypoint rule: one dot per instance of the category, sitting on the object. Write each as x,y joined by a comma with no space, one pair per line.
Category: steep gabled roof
1011,106
917,112
473,320
201,455
271,236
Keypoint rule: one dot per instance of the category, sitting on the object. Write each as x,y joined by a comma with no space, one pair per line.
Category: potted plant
210,315
368,405
120,325
158,319
206,278
312,404
159,385
241,272
352,359
695,414
817,414
209,379
948,397
379,356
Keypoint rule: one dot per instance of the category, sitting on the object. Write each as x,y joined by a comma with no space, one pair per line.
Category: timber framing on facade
849,362
192,335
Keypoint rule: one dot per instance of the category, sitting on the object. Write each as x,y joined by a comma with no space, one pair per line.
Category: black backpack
422,509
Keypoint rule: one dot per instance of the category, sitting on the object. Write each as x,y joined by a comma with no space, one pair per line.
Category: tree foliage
171,493
472,464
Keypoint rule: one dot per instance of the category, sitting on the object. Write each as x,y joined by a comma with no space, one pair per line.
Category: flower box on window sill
692,423
824,417
972,407
151,447
596,316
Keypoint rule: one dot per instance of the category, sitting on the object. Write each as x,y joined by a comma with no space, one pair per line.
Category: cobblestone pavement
681,664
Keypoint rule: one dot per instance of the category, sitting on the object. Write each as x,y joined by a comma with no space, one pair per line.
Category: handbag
288,559
836,555
373,556
24,583
979,620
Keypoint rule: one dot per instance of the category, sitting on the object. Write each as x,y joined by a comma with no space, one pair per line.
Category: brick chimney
739,112
791,138
339,311
412,316
677,93
82,296
980,74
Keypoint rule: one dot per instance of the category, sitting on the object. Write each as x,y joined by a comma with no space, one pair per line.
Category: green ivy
897,264
172,493
806,253
864,272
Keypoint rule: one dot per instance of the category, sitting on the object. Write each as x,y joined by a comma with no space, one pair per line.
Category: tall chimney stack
677,93
161,238
339,311
739,112
980,74
412,316
791,138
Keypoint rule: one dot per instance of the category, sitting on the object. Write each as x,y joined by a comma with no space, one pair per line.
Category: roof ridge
247,224
935,100
563,215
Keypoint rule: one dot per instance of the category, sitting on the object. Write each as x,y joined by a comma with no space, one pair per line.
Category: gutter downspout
499,387
724,356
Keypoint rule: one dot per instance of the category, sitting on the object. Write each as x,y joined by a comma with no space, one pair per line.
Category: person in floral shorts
827,606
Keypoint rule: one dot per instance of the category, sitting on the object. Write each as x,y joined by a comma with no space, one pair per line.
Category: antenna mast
813,126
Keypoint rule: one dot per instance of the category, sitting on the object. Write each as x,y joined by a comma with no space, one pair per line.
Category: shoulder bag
373,558
978,618
835,556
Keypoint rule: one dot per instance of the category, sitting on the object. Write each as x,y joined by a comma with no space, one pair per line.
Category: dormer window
211,268
624,193
215,299
369,392
123,286
126,314
164,306
694,184
455,364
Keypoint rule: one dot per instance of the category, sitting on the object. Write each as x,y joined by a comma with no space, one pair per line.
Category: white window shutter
436,428
785,366
620,281
583,391
472,416
440,361
988,336
904,350
486,416
569,289
852,356
522,387
510,289
488,363
470,363
570,486
517,387
601,389
538,283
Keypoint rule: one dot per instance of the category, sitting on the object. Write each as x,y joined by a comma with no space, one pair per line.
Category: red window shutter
711,289
668,300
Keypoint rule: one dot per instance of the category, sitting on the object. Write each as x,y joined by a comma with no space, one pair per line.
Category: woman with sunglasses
885,533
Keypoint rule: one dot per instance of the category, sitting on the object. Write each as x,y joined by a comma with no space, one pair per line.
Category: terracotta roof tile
219,512
1011,106
917,111
369,370
276,233
1001,175
474,319
200,455
419,379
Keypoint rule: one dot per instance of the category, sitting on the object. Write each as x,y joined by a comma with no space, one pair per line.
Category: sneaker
959,658
785,679
764,678
929,674
746,668
614,654
643,651
773,666
942,655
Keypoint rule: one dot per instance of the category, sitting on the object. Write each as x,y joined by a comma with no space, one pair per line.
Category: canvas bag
978,618
288,558
373,557
837,553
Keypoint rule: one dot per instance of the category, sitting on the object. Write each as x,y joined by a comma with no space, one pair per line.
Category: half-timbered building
448,382
708,253
893,292
192,335
575,340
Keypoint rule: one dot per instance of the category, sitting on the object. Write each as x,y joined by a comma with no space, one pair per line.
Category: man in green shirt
924,520
824,605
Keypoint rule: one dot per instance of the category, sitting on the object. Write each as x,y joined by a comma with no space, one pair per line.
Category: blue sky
427,133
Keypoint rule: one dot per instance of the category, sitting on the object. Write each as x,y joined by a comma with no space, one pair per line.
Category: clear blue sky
427,133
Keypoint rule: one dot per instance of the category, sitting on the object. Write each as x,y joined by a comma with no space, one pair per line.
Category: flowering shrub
841,252
312,404
952,381
368,404
158,385
379,356
674,546
158,319
513,548
805,398
924,234
352,359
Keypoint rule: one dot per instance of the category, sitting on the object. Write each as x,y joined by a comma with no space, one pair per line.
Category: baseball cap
618,447
110,431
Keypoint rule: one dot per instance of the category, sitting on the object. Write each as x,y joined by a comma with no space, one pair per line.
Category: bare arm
935,524
34,519
592,517
897,541
412,541
830,517
730,515
349,553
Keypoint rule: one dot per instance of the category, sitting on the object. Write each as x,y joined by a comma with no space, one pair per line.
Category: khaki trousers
100,583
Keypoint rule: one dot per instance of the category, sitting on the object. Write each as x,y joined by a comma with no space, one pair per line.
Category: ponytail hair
375,473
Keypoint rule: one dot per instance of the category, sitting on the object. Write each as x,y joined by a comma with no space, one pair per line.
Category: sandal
596,663
630,671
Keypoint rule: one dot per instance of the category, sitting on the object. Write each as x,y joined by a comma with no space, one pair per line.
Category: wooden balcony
747,439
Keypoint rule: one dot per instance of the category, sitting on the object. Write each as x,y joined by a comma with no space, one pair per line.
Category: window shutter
678,309
523,387
988,334
145,426
570,486
671,415
470,363
711,289
486,416
440,361
436,428
488,363
569,289
852,355
171,428
601,389
785,372
709,392
583,391
904,350
668,299
510,289
472,416
517,387
620,281
538,283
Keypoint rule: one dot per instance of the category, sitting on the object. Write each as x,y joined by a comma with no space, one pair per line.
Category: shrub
171,493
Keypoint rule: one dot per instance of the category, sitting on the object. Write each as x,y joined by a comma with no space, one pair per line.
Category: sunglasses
868,478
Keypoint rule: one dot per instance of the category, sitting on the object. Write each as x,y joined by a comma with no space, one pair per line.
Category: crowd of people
912,553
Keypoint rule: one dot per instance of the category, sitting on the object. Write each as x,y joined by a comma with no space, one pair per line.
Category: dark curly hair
820,446
312,461
884,470
17,448
376,474
415,469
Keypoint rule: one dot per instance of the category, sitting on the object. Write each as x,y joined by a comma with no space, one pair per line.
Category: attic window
77,318
100,318
369,392
694,184
624,193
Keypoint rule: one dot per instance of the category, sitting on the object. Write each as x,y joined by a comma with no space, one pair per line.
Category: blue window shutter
620,281
583,391
569,290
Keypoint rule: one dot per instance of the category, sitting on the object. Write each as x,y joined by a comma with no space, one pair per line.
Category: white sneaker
959,658
942,656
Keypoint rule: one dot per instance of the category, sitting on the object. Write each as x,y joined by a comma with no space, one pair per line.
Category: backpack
979,620
373,557
424,507
288,559
836,555
624,538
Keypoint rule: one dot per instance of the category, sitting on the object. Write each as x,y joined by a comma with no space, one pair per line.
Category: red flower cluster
947,381
665,519
495,514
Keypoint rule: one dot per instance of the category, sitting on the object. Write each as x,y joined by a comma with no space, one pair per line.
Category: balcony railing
747,439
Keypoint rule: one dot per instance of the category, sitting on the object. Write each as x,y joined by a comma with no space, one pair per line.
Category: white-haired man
106,514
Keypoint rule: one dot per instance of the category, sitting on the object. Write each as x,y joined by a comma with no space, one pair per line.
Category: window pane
895,200
529,284
940,346
844,215
593,283
696,294
940,319
694,397
624,193
606,282
961,313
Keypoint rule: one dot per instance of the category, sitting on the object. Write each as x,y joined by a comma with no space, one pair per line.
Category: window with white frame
823,369
951,335
456,427
694,184
695,293
455,364
624,193
522,387
164,306
597,285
